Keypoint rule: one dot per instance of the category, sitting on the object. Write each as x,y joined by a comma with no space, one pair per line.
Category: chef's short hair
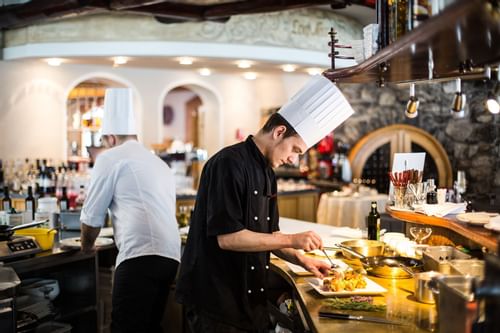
276,120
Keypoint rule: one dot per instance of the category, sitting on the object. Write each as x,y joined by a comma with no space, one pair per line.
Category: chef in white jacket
138,188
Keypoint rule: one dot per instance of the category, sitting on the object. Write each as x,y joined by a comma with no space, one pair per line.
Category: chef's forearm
250,241
88,236
289,254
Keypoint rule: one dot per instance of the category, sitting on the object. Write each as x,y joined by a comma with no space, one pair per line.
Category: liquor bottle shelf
458,42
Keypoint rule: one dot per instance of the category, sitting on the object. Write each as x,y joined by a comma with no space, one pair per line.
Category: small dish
493,227
478,218
75,242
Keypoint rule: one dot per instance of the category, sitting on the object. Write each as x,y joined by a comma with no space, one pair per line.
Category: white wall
177,101
33,103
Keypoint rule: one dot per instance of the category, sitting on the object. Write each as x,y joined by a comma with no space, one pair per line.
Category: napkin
441,210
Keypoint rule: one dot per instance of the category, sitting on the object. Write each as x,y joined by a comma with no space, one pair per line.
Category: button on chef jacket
237,191
139,189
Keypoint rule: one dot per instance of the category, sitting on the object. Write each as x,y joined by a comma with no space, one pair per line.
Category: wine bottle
373,222
431,193
6,202
64,202
30,202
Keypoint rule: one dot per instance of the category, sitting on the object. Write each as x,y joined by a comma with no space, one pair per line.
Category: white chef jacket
139,190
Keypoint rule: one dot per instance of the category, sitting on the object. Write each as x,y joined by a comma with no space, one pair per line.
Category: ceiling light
250,75
186,61
289,68
54,61
205,71
244,64
119,61
412,105
314,71
457,107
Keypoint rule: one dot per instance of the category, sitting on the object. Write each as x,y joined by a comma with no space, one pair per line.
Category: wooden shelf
477,234
467,32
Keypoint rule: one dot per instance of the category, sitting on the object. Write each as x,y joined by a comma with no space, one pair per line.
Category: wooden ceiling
18,13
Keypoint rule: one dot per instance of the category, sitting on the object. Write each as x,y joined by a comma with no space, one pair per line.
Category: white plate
478,218
75,242
493,227
106,232
371,288
299,270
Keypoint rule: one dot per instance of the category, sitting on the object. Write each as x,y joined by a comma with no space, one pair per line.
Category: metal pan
387,267
6,231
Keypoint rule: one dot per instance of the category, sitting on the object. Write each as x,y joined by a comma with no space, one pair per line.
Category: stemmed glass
461,185
420,234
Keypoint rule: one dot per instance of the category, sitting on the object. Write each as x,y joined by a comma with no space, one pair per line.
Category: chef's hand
319,268
307,241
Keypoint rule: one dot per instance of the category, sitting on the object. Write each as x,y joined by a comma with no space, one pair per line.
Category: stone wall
472,143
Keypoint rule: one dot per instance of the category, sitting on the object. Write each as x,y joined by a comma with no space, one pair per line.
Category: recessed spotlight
314,71
289,68
54,61
119,61
205,71
186,61
244,64
250,75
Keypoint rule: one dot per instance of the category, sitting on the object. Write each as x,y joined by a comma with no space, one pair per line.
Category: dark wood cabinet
457,42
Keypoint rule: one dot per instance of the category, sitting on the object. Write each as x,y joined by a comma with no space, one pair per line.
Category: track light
491,104
412,105
458,105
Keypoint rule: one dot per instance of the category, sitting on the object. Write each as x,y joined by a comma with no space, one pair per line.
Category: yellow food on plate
347,281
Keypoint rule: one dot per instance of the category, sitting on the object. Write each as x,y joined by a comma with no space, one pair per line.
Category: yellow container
44,237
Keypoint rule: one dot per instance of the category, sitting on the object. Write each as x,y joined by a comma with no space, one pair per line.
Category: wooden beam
40,10
128,4
258,6
169,10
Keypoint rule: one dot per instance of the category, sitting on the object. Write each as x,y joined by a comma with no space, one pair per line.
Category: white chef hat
118,116
316,110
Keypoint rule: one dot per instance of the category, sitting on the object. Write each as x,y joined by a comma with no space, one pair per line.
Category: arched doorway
196,119
84,112
181,117
371,157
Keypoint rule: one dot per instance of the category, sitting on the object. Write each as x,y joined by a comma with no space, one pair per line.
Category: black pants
140,292
199,322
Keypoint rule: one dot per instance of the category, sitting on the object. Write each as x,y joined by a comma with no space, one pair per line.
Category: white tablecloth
348,211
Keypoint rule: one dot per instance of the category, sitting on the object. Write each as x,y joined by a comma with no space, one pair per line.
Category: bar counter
477,234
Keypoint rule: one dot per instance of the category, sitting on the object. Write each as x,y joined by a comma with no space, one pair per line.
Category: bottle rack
458,42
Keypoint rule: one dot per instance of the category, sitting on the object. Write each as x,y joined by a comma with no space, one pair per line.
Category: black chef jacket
237,191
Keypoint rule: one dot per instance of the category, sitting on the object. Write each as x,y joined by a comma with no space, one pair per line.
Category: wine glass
461,185
420,234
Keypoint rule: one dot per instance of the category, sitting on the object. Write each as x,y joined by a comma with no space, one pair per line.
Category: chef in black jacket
235,224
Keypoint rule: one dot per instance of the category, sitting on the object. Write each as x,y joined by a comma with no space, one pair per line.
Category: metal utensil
333,265
335,315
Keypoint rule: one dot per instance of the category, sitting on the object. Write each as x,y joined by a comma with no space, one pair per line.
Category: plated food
340,281
339,286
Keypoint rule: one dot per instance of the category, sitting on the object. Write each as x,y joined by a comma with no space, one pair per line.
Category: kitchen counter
401,305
